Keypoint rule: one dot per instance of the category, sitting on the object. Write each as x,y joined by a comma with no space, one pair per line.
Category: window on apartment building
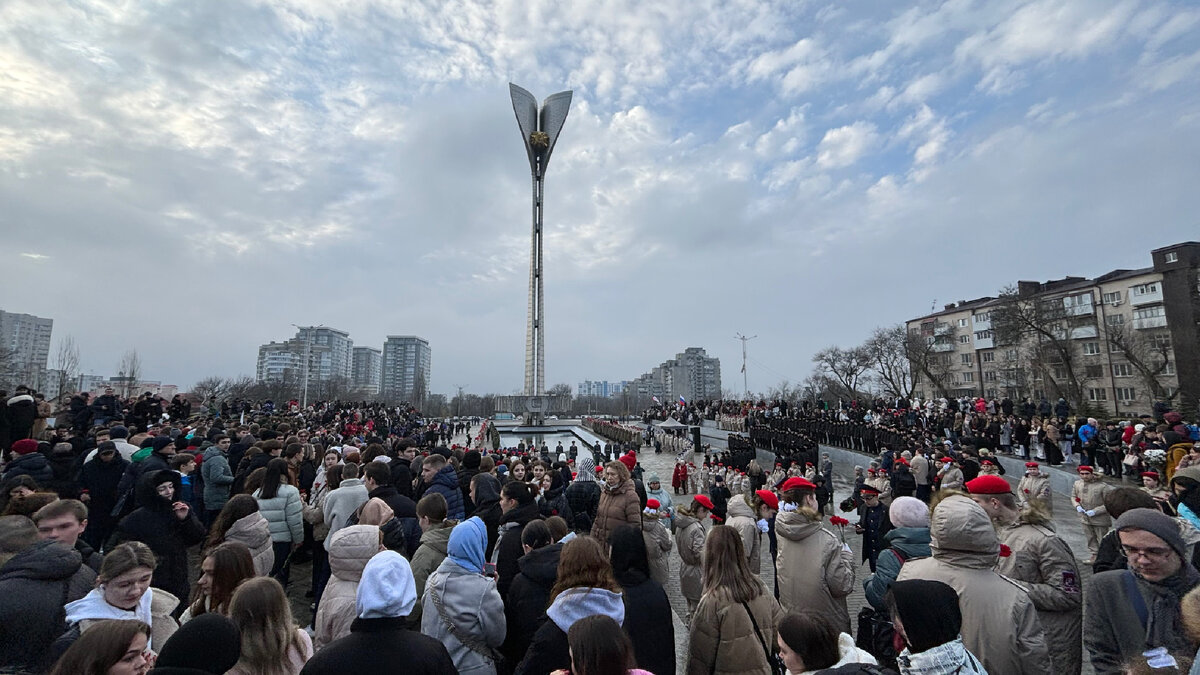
1171,257
993,393
983,335
983,316
1168,369
1170,392
962,323
1097,394
1145,289
1093,371
988,357
966,359
1115,320
1059,372
1161,340
1111,298
968,377
1125,394
1077,300
1122,370
989,376
1091,348
1010,355
964,339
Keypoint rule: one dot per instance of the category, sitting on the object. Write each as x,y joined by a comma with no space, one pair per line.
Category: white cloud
843,146
35,256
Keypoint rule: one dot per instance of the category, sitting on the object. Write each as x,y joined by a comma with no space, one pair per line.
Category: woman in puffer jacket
689,521
241,521
619,503
349,551
462,608
281,505
815,570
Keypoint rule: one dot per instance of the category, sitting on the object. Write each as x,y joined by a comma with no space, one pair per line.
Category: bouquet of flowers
841,524
1155,458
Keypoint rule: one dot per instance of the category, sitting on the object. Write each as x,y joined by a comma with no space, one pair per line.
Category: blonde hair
620,468
260,610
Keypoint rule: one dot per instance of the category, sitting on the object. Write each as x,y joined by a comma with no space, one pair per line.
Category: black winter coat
508,548
35,465
381,647
527,599
583,498
34,586
402,478
487,507
548,651
404,511
154,524
648,622
101,480
133,476
22,411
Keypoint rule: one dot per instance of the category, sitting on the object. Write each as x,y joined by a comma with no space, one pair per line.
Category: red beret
652,504
1151,474
1031,465
769,498
988,485
988,462
946,460
797,483
1084,469
704,501
24,446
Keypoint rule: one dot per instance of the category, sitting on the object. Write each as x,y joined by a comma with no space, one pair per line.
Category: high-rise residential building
692,374
367,370
406,365
601,388
1124,342
329,352
280,361
24,349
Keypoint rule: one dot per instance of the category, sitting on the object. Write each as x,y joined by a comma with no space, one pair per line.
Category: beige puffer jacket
999,622
691,553
349,551
812,571
619,506
658,548
255,532
742,518
723,641
1045,567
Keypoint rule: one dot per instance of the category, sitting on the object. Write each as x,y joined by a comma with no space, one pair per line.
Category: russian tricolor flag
681,401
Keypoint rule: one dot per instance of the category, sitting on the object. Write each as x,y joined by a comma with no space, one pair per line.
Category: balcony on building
1145,294
1081,332
1151,322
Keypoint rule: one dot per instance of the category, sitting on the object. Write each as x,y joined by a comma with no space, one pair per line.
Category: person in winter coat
873,524
344,502
241,521
435,536
122,592
281,505
485,494
734,627
440,477
349,551
619,503
750,514
657,541
648,617
27,461
520,509
689,523
583,496
585,587
167,526
64,520
809,643
907,541
529,594
377,478
222,570
207,645
380,640
1042,564
22,413
461,607
814,571
162,448
1000,623
1034,489
98,481
928,621
272,644
655,490
1088,497
217,475
35,577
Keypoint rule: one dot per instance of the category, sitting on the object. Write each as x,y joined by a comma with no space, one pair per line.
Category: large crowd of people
152,536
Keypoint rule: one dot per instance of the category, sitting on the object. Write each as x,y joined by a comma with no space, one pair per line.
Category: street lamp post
539,131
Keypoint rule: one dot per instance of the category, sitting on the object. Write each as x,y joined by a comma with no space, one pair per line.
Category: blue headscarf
467,542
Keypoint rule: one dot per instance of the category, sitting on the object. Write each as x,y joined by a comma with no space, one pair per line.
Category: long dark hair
100,647
232,564
238,507
812,637
599,647
277,473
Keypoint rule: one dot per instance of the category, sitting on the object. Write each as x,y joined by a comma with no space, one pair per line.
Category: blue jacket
903,542
1086,433
445,483
217,478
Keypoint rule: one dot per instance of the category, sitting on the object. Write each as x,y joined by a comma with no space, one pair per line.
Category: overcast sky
189,178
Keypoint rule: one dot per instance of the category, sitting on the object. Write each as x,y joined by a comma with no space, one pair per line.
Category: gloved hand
763,525
1079,508
1090,512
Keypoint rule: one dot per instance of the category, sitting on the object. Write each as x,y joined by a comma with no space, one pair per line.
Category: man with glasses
1134,614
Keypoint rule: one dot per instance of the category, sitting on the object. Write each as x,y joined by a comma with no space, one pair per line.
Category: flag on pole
655,399
681,401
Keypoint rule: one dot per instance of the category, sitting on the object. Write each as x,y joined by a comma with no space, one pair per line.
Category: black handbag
875,635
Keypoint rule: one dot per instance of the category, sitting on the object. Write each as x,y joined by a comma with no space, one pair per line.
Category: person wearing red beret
814,571
1041,563
873,524
1088,497
1034,489
690,535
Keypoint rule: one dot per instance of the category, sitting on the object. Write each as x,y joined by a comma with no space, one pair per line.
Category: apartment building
367,370
406,364
692,374
1131,340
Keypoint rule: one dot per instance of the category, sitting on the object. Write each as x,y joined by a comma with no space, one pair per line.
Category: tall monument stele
539,131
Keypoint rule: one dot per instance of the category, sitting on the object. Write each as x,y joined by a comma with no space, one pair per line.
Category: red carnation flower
1026,491
838,520
1005,551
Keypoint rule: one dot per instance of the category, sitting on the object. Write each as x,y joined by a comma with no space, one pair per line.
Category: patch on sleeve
1070,582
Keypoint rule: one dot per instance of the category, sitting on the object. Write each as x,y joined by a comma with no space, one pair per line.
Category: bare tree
66,362
930,352
847,367
8,368
887,349
130,370
210,386
1150,358
1047,324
